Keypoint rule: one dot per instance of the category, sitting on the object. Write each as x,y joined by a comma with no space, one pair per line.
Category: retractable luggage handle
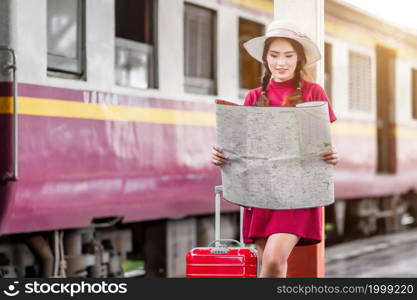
223,242
217,240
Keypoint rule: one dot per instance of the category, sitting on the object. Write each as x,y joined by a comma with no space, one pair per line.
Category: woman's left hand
330,156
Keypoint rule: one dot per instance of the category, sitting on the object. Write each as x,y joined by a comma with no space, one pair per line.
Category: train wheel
394,208
411,214
362,216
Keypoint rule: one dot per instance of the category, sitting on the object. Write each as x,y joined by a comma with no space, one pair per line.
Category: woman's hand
217,156
330,156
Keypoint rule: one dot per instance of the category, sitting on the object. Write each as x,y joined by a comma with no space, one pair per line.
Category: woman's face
282,60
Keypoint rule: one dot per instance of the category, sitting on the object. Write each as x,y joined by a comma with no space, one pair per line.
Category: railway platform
390,255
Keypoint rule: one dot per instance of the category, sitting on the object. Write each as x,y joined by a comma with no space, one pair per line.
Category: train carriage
107,120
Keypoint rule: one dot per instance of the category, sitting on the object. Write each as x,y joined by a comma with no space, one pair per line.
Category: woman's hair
299,73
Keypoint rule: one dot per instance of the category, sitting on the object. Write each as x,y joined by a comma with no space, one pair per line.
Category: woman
284,52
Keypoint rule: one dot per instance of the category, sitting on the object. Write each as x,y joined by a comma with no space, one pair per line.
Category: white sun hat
286,29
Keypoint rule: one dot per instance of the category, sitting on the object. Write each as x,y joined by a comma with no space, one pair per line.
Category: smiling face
281,59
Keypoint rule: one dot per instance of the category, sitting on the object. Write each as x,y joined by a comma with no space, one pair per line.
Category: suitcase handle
227,241
219,190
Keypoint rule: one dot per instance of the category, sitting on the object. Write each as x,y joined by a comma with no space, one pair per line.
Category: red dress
306,222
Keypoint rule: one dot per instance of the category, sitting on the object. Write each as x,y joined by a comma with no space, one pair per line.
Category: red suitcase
222,261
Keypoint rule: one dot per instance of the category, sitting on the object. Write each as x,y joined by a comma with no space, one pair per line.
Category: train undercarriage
357,218
157,248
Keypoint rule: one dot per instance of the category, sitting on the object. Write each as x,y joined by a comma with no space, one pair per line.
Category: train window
65,29
414,92
360,82
135,55
250,70
199,49
328,51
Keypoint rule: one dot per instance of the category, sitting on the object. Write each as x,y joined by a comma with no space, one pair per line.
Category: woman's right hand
217,156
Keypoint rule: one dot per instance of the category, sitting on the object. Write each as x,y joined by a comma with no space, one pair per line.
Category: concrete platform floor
391,255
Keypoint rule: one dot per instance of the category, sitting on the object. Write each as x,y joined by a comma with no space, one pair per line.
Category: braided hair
295,97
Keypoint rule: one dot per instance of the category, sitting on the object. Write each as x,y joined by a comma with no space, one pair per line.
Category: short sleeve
320,94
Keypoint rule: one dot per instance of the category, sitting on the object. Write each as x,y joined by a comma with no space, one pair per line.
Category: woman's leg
260,245
275,254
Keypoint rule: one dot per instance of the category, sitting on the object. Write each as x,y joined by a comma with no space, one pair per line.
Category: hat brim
255,48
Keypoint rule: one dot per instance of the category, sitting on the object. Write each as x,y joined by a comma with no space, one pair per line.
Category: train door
386,147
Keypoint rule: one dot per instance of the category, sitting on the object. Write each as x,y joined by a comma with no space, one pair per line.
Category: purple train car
107,121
